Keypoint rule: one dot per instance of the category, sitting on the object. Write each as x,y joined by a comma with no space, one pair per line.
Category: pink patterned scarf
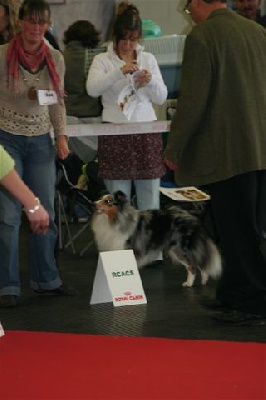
16,54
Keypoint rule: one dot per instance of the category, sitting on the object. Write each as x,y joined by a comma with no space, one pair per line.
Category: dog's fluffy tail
213,265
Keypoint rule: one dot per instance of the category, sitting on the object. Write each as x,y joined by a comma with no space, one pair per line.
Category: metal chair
68,196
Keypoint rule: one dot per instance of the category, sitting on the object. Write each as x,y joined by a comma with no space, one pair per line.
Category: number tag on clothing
47,97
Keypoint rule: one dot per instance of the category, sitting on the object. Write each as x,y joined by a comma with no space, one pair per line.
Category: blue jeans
147,191
35,163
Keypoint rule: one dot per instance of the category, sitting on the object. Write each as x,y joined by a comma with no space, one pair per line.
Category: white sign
1,330
47,97
117,279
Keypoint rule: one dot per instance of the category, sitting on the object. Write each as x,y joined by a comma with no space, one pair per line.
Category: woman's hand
39,221
130,67
170,165
62,147
142,78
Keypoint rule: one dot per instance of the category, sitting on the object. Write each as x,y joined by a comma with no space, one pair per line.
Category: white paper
128,101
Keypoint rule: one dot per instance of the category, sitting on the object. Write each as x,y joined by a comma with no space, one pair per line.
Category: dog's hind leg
191,272
191,275
204,277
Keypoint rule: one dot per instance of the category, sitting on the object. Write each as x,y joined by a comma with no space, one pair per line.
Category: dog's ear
120,198
103,193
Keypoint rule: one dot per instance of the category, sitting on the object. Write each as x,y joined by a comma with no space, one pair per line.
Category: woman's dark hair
34,7
5,5
127,20
84,32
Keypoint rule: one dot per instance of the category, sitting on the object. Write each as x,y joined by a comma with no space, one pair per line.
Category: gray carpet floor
171,311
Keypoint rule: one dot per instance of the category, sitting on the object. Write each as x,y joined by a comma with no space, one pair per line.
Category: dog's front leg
191,275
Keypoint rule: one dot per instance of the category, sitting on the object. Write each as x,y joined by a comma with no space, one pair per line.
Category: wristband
35,208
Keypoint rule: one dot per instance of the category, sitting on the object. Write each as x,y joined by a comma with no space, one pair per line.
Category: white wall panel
166,13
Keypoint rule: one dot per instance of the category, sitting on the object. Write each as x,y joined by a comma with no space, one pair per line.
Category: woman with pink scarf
31,103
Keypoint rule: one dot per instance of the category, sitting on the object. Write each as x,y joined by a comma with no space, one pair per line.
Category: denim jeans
147,191
35,163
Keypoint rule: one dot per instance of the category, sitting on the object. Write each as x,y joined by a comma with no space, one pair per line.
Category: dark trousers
238,208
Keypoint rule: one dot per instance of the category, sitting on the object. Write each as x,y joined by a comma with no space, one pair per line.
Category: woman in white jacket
129,80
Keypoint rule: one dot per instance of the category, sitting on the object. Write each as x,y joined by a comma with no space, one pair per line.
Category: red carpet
55,366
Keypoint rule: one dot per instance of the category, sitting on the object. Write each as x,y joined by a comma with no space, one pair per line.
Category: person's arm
57,113
37,215
191,105
100,78
151,82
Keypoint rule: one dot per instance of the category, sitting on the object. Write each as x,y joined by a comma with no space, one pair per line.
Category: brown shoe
8,300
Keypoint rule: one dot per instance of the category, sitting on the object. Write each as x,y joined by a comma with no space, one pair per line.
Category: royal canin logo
128,296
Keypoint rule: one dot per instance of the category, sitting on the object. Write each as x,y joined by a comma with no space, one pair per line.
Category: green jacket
77,61
6,163
219,129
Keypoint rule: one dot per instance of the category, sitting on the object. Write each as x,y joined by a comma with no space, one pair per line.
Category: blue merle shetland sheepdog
119,226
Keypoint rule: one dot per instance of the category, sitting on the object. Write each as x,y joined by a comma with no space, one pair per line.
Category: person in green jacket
10,180
217,140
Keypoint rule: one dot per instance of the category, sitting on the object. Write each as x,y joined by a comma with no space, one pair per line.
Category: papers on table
189,193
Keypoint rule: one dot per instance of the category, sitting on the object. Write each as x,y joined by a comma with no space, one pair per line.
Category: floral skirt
137,156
